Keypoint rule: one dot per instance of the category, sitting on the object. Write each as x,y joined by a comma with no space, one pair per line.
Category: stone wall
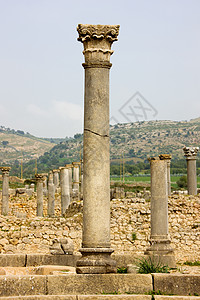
22,232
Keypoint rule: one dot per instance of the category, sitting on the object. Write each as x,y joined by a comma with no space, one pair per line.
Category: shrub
182,182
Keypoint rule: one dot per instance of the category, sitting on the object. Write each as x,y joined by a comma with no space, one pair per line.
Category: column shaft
51,196
39,196
5,190
65,191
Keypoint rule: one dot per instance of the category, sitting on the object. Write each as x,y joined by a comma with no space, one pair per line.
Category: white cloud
36,110
68,110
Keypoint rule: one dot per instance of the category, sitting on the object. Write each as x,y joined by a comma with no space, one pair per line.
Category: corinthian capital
97,41
190,152
5,170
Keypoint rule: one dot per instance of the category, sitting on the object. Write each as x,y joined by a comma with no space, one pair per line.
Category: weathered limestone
97,41
65,191
5,190
51,196
56,178
76,179
160,248
45,183
39,189
168,158
69,166
191,157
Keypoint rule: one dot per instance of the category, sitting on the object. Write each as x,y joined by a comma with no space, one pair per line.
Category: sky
156,62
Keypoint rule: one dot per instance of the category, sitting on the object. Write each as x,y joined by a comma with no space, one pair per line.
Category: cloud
36,110
68,110
58,109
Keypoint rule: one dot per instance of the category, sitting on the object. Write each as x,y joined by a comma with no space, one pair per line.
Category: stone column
191,157
39,190
76,179
65,192
45,175
51,196
5,188
160,249
69,166
56,178
168,158
32,187
96,251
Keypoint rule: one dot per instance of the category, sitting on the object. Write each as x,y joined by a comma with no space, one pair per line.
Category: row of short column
64,182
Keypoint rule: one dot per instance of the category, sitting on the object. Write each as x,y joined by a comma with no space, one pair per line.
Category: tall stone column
168,158
191,157
51,196
5,188
96,251
39,190
160,248
65,192
76,179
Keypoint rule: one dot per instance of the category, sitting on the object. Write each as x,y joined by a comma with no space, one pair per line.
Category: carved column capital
76,164
190,152
5,170
39,177
97,41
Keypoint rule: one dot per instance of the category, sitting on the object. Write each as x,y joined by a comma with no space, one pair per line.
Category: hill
133,141
15,145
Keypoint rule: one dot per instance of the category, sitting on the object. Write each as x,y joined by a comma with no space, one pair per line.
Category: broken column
76,179
56,178
39,197
160,249
191,157
69,166
168,158
45,175
51,196
5,190
65,192
96,251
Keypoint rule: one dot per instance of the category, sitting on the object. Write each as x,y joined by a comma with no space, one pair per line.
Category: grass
146,266
192,263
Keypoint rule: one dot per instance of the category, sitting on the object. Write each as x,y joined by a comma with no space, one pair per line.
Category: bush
182,182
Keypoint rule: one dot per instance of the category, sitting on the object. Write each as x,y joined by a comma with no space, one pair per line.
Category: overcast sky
41,73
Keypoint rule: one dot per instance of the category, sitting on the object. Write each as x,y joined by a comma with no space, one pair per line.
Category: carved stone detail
88,32
190,152
97,41
5,170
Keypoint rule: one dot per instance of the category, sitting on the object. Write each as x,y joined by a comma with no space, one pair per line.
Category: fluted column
191,157
5,189
160,248
65,192
168,158
51,196
39,179
97,41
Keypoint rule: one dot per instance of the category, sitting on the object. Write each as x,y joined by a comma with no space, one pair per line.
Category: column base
161,252
96,261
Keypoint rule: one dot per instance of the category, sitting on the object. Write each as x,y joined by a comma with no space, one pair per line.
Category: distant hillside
15,145
133,141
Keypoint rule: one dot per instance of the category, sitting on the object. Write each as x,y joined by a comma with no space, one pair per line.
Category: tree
182,182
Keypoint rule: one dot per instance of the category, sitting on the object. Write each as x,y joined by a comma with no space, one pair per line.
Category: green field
129,179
